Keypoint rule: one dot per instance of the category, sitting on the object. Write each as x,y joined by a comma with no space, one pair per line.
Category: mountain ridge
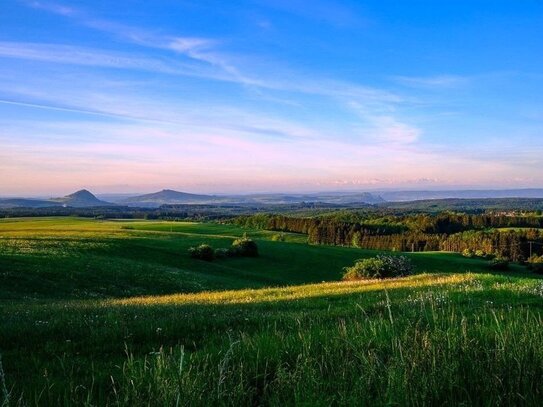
172,197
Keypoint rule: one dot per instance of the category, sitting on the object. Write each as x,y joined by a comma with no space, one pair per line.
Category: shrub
366,268
480,253
468,253
244,247
379,267
202,252
535,263
499,264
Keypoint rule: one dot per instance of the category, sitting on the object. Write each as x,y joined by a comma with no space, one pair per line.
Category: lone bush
202,252
244,247
383,266
468,253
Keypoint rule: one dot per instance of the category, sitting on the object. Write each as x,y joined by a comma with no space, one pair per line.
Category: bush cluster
243,247
383,266
471,254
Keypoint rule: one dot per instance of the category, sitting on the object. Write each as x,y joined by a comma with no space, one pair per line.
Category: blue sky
263,95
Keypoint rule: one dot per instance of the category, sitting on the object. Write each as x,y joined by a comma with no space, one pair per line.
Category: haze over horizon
270,96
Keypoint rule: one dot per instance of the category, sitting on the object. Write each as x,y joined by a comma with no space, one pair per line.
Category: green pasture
97,312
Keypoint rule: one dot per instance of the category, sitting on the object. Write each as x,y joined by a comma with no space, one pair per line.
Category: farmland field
96,312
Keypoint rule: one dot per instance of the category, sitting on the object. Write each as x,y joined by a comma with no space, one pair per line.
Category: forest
513,236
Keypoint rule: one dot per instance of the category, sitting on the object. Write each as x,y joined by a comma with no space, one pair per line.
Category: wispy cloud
64,109
374,108
52,7
439,81
94,100
197,48
384,128
378,106
205,50
68,54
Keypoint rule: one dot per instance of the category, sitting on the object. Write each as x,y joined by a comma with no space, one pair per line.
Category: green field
116,313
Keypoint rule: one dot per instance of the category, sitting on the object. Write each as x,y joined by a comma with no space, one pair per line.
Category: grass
94,313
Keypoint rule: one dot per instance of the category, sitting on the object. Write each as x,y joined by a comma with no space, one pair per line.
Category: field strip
97,232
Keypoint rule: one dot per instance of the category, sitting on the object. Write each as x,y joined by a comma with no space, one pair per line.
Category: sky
269,95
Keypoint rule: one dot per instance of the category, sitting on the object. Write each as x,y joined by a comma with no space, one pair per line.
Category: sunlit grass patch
300,292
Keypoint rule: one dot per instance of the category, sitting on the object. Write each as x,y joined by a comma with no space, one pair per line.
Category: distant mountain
399,196
361,197
170,197
84,198
337,198
26,203
80,199
167,197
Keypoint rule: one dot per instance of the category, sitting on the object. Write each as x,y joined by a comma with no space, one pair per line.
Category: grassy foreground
95,313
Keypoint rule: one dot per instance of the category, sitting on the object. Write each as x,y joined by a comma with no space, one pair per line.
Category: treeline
198,212
416,233
444,222
165,212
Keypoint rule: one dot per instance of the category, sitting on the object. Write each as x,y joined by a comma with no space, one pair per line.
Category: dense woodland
521,238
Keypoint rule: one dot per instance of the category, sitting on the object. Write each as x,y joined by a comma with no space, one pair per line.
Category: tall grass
439,358
418,347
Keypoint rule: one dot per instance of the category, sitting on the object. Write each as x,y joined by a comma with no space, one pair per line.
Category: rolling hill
26,203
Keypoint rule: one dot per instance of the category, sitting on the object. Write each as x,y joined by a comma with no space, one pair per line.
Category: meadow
96,312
